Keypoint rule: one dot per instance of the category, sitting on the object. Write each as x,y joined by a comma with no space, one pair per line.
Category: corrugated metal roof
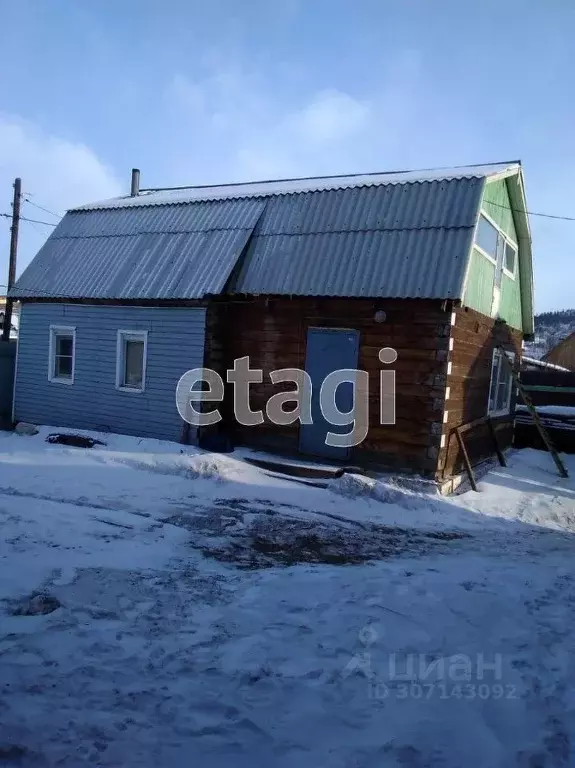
201,217
181,195
402,264
174,253
407,239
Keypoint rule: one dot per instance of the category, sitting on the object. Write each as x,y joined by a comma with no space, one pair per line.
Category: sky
196,92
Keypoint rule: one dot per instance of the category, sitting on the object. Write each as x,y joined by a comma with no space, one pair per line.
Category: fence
553,394
7,363
549,387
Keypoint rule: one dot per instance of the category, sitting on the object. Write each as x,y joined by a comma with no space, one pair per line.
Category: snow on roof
542,364
291,186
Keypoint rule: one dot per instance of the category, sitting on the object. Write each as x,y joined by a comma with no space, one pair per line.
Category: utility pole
13,254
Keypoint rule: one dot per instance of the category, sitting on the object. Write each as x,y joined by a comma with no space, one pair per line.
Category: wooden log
498,450
466,461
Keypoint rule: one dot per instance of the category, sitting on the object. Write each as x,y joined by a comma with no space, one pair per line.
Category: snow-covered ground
211,614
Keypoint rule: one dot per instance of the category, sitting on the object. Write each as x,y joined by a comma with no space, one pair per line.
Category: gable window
62,354
510,257
494,244
501,386
131,357
486,237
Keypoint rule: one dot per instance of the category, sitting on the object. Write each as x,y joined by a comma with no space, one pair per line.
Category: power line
489,202
41,208
37,228
531,213
499,205
33,221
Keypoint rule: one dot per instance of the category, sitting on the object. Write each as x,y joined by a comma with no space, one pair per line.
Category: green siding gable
479,289
481,273
496,204
510,302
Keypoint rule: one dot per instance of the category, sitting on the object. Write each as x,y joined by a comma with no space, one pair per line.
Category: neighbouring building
320,274
15,318
563,354
529,364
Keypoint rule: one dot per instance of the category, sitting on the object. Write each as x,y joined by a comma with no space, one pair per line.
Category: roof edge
518,201
302,185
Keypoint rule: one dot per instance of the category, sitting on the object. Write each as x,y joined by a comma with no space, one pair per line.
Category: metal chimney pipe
135,186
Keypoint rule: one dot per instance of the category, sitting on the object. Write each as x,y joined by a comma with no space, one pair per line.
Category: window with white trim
501,387
510,258
61,361
131,357
496,245
486,237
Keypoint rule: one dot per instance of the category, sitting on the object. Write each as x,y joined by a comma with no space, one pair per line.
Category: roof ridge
329,176
285,187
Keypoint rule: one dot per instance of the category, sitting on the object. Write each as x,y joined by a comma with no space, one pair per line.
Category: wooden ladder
535,416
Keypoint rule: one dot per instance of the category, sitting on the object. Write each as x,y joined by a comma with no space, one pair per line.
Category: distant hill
550,329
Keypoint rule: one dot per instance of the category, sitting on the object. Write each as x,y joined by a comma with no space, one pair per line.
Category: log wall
273,332
473,339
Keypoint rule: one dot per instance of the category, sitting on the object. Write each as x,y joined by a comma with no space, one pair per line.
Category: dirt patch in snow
275,540
39,604
76,441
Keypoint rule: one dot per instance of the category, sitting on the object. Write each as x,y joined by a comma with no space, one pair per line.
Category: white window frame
506,239
509,241
129,335
506,411
61,330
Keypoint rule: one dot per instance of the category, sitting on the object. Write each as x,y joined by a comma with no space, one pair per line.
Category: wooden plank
472,424
466,461
535,416
498,450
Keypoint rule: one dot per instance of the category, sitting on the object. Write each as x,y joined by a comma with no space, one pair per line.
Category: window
496,246
62,354
510,254
501,385
486,237
131,360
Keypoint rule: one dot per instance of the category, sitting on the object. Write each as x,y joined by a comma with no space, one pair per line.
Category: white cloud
57,174
236,125
331,116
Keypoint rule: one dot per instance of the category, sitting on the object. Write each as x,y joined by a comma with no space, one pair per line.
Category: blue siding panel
175,344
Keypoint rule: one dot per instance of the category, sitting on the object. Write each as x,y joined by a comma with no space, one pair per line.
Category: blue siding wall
175,344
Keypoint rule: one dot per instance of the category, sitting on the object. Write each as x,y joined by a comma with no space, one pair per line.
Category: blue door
328,350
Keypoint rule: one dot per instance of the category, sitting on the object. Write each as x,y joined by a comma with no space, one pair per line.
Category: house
315,274
563,354
15,318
